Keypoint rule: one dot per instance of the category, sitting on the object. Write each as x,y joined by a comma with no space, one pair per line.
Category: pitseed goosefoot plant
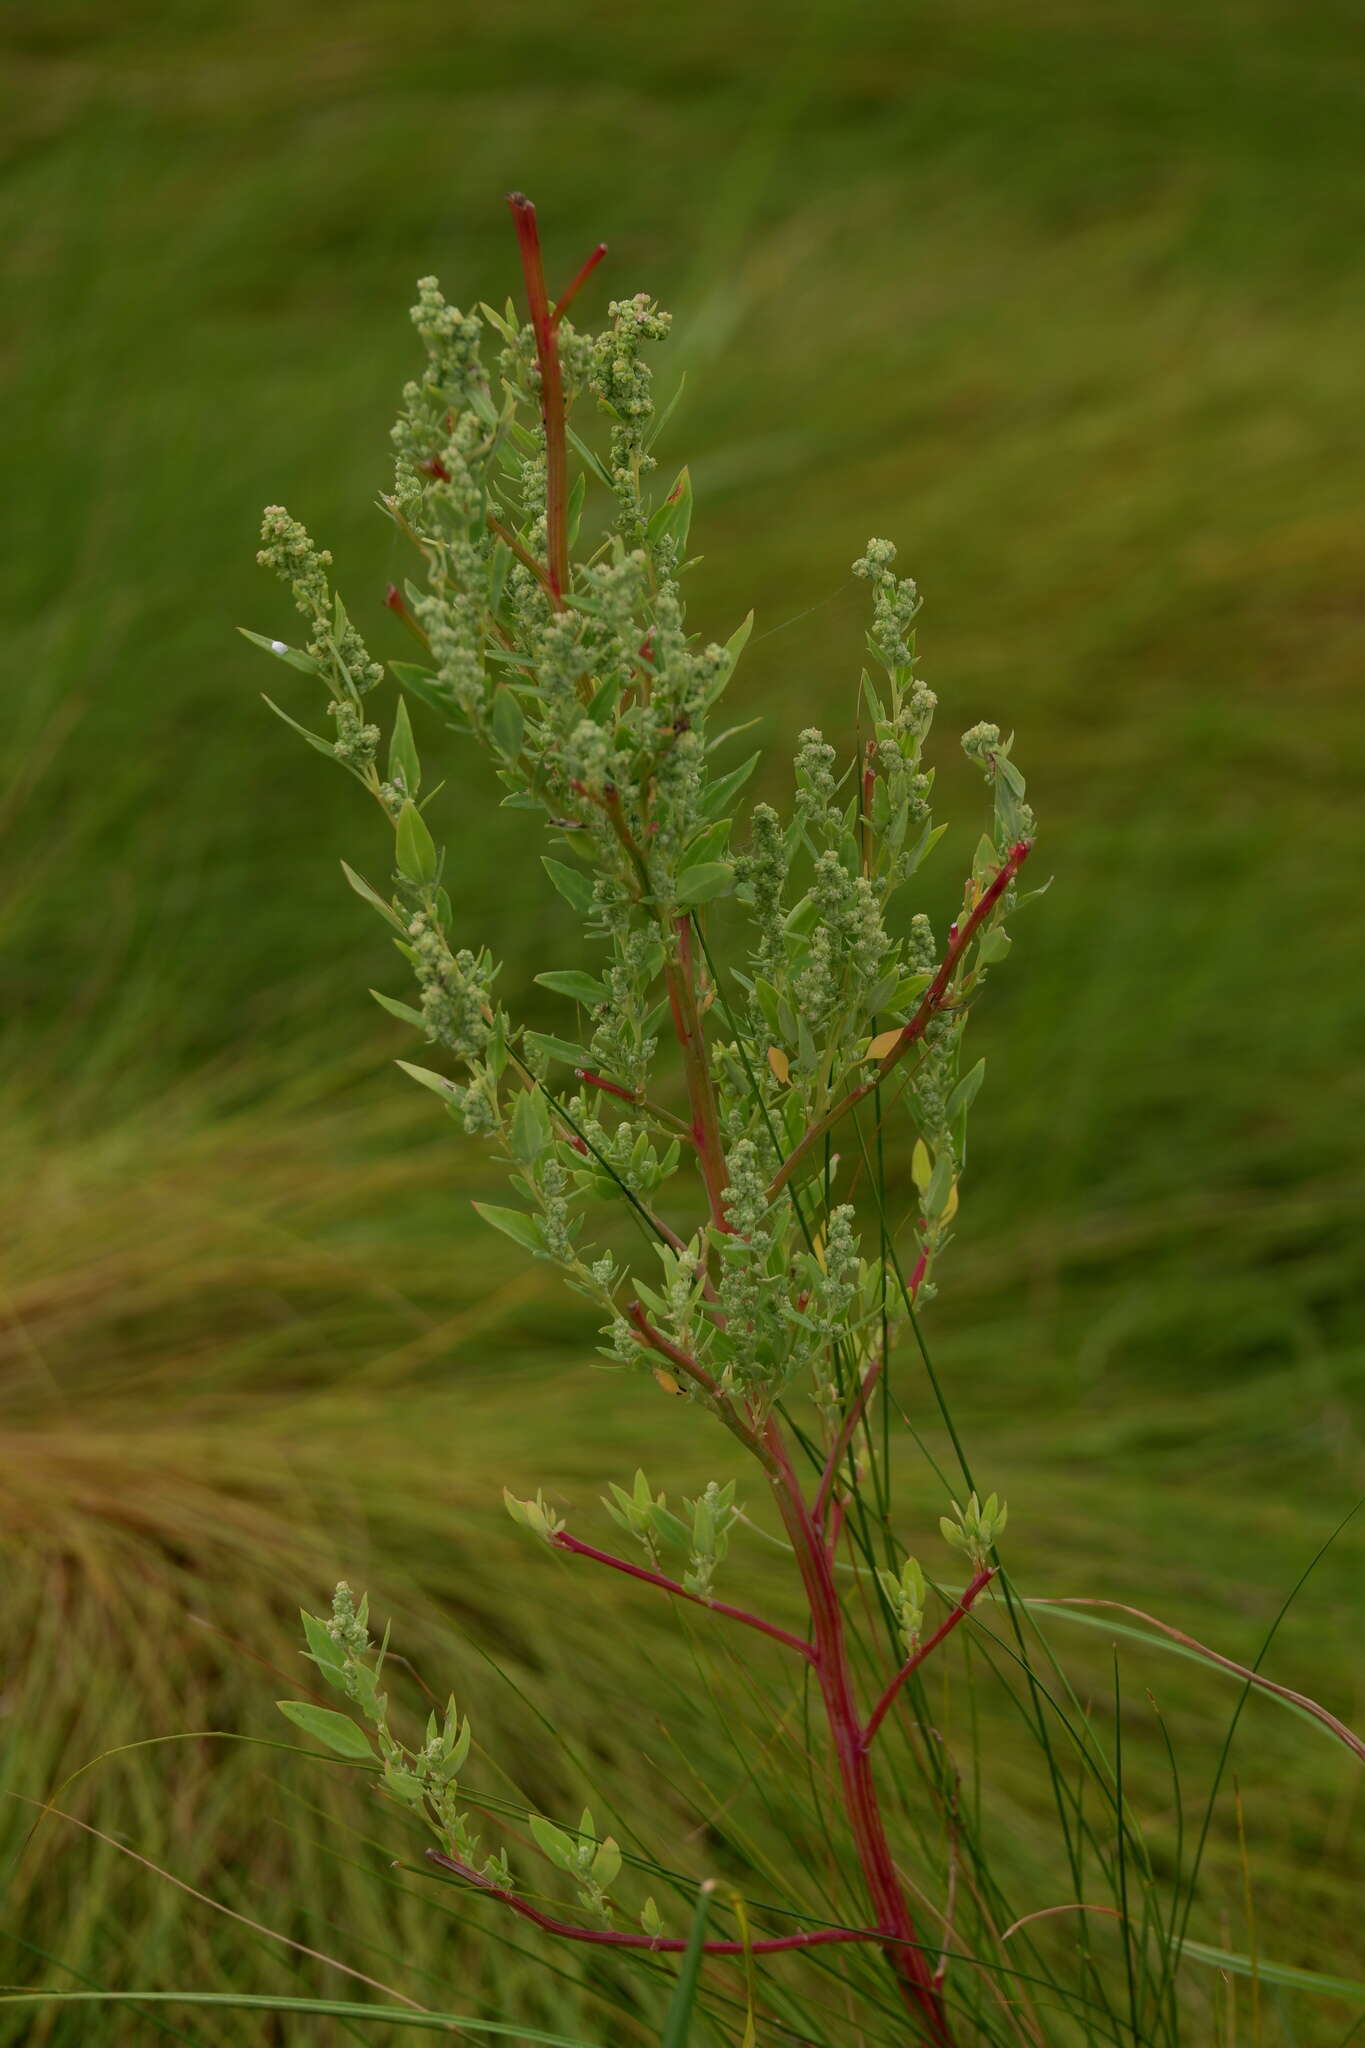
778,1306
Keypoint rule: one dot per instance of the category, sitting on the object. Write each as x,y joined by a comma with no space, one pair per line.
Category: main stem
908,1962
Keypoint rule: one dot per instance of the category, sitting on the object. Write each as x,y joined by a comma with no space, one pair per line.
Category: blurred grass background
1067,302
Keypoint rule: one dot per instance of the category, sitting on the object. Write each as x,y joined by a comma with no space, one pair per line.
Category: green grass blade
678,2024
328,2008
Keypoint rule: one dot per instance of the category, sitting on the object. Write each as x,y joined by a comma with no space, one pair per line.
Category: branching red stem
844,1439
564,1541
691,1369
912,1973
926,1649
552,410
576,287
932,1001
665,1944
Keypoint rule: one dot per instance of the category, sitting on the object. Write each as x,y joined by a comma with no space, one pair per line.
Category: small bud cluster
975,1529
593,1864
905,1592
895,602
424,1778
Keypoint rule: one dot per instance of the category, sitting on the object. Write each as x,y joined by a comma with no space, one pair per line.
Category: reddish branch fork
545,319
935,998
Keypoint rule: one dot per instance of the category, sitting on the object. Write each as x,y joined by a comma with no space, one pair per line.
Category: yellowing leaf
951,1210
921,1166
780,1064
883,1043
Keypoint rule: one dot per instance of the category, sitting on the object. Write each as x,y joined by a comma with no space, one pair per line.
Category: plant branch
523,554
552,407
666,1944
576,287
913,1976
683,1362
844,1439
563,1541
933,1000
912,1664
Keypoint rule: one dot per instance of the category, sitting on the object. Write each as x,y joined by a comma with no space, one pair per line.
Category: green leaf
404,765
530,1133
966,1091
508,725
703,883
523,1230
314,739
739,640
993,945
583,988
500,563
578,491
553,1843
403,1011
557,1048
427,688
337,1731
373,898
325,1651
711,843
717,797
670,1528
416,849
673,519
437,1083
574,887
295,656
592,461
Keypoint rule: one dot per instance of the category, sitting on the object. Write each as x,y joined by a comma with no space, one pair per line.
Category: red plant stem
844,1439
680,981
398,605
926,1649
666,1944
890,1909
552,409
592,1080
576,287
563,1541
691,1369
931,1003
